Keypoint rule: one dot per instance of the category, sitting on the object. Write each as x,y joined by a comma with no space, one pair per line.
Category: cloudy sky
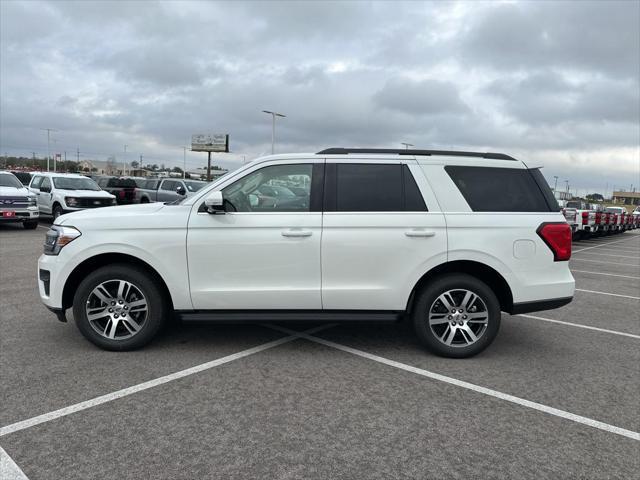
553,82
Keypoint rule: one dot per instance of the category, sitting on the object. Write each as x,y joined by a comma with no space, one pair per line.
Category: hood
14,192
85,193
108,215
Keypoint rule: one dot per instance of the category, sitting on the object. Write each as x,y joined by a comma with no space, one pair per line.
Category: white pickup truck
585,218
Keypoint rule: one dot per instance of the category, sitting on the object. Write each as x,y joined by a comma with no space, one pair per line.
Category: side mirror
214,202
45,189
181,191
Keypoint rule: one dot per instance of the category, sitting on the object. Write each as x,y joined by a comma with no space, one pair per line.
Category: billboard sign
215,142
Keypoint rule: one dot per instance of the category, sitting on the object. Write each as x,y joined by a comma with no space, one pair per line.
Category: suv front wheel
456,316
119,307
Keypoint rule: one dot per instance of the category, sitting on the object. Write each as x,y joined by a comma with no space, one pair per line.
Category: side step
244,316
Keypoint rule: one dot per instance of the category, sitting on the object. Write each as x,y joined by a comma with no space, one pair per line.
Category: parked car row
587,221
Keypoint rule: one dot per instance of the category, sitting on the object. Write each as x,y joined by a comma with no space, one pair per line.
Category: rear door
382,229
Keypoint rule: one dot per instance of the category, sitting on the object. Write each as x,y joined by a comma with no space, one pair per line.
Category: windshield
194,186
9,180
75,183
577,205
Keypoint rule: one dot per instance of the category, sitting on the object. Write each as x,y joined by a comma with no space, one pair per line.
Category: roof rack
402,151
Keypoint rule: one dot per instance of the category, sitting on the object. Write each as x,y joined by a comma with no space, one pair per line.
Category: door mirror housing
214,202
181,190
45,189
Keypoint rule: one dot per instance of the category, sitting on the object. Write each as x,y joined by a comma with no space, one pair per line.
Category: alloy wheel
116,309
458,318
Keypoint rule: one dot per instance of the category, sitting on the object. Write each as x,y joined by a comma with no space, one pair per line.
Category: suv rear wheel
456,316
118,307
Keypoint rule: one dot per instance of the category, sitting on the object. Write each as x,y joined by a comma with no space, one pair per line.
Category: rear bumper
539,305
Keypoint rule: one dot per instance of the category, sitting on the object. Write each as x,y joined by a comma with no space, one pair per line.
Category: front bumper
20,214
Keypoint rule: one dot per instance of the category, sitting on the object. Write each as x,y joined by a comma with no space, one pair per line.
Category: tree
134,164
595,197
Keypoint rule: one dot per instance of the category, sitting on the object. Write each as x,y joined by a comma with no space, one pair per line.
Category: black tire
157,306
30,225
144,200
427,297
57,211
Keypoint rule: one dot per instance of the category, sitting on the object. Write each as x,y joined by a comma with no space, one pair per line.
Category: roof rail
402,151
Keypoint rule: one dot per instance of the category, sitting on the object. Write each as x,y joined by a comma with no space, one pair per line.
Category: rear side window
359,187
169,185
488,189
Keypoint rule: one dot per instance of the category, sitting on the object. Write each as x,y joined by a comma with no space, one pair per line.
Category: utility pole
555,185
78,154
49,130
566,185
273,128
407,145
124,161
184,161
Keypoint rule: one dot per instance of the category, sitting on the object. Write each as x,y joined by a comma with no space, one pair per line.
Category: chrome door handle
296,233
419,233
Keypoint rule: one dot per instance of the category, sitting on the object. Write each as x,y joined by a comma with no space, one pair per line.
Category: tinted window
151,184
169,185
37,180
264,190
46,182
121,183
413,201
488,189
368,187
552,202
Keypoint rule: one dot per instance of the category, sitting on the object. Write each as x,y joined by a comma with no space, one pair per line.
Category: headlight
31,201
57,237
71,201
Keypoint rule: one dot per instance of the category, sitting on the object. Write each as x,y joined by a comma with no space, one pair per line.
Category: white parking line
45,228
62,412
609,255
606,293
604,263
586,327
607,274
603,244
9,470
470,386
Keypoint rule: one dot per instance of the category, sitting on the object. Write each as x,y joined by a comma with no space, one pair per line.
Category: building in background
627,198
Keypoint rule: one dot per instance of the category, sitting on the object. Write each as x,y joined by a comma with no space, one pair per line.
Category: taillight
615,219
121,193
557,236
606,218
598,217
585,218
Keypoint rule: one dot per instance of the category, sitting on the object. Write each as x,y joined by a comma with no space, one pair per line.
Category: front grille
93,202
14,202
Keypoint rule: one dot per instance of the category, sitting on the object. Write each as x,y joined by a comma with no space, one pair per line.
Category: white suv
446,240
60,193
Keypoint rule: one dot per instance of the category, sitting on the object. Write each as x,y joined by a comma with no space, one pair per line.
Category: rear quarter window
489,189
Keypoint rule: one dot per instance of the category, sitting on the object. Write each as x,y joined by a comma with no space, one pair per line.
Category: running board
244,316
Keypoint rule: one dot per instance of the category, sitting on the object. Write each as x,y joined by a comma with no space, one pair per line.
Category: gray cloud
537,79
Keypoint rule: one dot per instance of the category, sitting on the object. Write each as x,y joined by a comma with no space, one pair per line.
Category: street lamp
555,185
124,161
48,130
273,127
407,145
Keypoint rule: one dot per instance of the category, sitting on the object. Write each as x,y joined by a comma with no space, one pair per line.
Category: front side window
37,180
194,186
46,183
267,190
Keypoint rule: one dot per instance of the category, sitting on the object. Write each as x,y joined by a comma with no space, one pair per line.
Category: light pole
48,130
407,145
184,162
555,185
273,127
567,185
124,161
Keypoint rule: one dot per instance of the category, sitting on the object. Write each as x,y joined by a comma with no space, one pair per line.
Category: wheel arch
481,271
101,260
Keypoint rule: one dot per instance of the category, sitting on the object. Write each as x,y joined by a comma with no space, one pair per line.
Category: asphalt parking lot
556,396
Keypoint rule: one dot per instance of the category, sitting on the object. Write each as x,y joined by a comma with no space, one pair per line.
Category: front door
264,252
